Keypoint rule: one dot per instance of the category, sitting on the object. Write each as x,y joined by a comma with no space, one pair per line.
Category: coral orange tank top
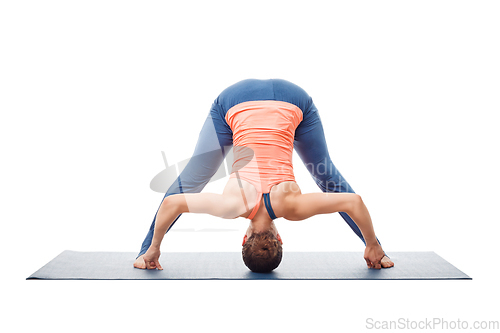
263,133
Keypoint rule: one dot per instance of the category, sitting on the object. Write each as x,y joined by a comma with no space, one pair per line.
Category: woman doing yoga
262,186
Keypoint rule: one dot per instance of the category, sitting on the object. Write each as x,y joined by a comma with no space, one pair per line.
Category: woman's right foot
386,262
140,263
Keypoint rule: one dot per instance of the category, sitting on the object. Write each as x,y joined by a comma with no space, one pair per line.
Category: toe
386,262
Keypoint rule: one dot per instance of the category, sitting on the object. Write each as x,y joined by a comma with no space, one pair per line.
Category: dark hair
262,252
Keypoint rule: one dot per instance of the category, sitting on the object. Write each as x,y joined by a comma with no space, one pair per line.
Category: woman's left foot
386,262
140,263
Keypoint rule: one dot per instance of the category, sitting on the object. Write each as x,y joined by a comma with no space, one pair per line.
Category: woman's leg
214,142
311,146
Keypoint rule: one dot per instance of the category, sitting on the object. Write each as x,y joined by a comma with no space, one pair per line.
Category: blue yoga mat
72,265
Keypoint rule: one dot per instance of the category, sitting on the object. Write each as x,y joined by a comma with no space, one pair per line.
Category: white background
91,92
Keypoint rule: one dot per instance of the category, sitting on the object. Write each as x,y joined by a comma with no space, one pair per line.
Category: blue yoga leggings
216,139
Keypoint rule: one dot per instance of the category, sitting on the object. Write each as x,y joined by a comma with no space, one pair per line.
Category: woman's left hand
151,257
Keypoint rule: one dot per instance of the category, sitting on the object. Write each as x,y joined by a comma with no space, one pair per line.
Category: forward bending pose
265,120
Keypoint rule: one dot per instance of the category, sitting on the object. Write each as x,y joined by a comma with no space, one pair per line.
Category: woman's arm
303,206
202,203
228,205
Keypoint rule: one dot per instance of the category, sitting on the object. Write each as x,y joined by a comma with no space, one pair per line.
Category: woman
265,120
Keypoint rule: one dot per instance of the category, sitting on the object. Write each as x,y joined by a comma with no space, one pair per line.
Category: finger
368,263
377,264
159,266
150,265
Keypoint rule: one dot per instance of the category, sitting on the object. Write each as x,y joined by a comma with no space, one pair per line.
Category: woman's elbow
174,203
354,204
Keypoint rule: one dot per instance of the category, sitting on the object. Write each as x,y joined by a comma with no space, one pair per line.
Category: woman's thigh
310,145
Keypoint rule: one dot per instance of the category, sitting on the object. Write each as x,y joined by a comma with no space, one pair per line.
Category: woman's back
263,134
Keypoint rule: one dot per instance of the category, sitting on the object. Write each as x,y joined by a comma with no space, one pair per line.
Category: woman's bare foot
140,263
386,262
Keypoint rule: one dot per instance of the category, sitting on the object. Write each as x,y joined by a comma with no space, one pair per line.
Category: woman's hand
151,257
373,256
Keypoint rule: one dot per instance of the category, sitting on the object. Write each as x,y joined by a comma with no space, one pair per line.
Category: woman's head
262,251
